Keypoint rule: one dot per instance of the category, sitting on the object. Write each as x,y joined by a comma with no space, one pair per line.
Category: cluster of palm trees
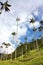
40,29
6,7
6,46
13,34
34,29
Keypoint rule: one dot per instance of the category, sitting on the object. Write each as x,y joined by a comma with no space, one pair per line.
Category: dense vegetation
30,46
29,56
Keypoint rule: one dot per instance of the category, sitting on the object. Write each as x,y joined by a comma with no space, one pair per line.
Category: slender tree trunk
6,53
22,53
15,54
26,47
11,53
42,37
34,40
1,56
6,57
17,38
37,47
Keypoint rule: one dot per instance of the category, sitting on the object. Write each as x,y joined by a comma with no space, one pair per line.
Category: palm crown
4,6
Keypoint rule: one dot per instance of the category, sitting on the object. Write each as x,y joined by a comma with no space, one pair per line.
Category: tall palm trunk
42,36
1,53
26,45
7,52
37,45
11,53
17,33
35,30
7,45
15,54
13,40
6,57
22,52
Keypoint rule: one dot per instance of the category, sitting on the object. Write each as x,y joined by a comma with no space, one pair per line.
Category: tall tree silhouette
13,34
41,22
4,6
7,45
17,20
34,29
40,29
1,53
26,43
21,50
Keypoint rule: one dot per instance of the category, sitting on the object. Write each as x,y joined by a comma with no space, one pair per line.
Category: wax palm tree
34,29
1,7
33,41
26,42
32,20
7,45
40,29
1,53
41,22
13,34
22,50
5,6
17,19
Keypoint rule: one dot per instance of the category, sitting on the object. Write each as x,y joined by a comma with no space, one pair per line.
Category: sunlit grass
30,58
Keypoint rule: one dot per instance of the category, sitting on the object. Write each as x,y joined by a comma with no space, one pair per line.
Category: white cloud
42,17
36,24
36,13
4,34
30,25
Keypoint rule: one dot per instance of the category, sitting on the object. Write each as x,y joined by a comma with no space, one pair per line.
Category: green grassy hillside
29,58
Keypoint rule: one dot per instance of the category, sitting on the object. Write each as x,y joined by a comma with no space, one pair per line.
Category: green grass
30,58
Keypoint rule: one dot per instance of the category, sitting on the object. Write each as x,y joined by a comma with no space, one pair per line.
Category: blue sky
25,10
